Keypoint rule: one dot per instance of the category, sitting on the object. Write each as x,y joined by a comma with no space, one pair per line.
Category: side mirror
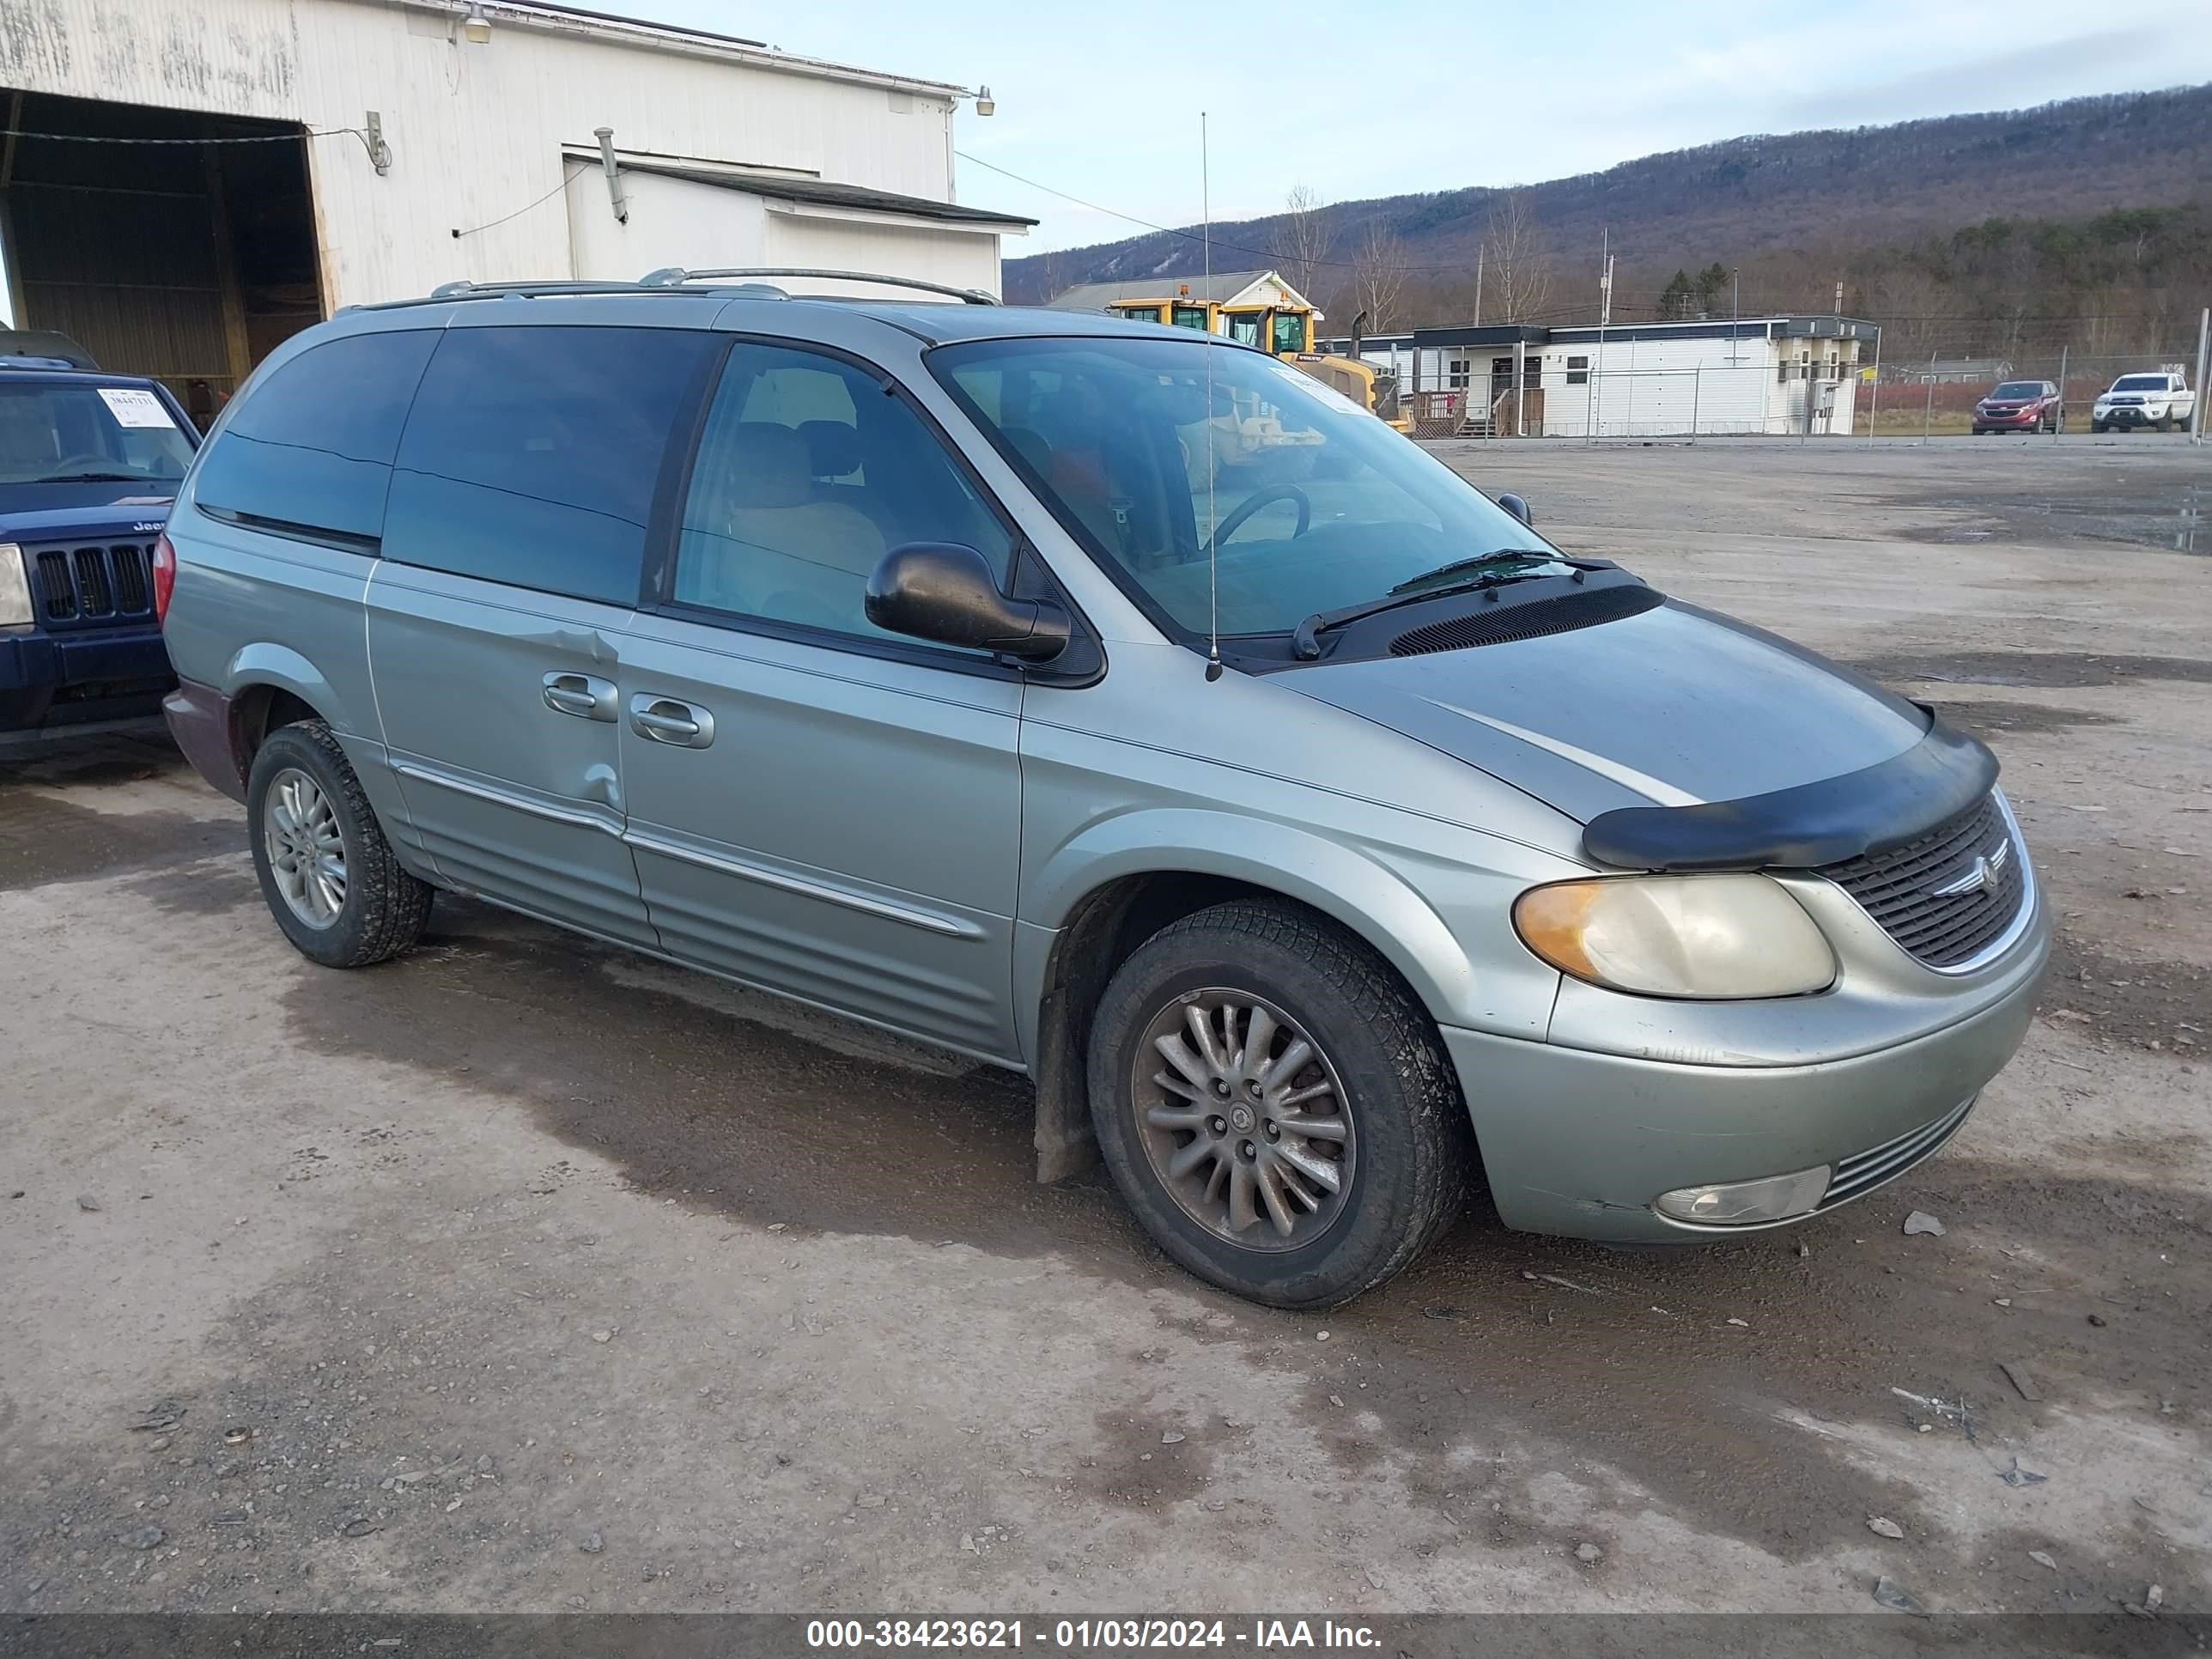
944,592
1518,508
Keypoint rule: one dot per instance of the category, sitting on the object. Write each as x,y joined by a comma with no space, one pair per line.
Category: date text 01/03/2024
1262,1635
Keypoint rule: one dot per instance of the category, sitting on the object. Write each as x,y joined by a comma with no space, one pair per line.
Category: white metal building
1776,375
387,146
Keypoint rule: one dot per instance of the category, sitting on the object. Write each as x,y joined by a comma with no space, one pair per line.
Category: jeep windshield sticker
133,407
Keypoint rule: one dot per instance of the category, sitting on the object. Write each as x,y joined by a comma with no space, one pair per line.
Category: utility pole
1873,397
1480,255
1840,297
1604,316
2204,349
1735,308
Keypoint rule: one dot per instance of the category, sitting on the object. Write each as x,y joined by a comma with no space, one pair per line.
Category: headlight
1678,936
14,587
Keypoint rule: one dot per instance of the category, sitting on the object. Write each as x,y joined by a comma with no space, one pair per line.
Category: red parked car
2019,406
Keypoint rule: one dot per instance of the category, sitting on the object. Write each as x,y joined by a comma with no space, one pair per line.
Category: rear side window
311,447
532,454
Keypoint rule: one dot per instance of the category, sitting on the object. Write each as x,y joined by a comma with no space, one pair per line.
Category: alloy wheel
1244,1120
306,851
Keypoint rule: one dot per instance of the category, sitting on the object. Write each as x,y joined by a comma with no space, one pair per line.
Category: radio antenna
1212,520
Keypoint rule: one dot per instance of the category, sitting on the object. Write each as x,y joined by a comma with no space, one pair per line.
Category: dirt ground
519,1274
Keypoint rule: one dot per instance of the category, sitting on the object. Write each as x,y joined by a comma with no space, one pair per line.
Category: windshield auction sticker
132,407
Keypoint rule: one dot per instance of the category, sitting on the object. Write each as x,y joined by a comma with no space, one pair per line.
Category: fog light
1736,1203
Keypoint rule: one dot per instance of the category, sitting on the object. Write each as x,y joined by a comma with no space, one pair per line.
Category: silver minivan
1115,705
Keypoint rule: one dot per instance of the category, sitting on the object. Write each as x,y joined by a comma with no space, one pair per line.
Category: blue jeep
89,463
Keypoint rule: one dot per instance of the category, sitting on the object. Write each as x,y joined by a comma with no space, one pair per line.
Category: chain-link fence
1775,398
2039,391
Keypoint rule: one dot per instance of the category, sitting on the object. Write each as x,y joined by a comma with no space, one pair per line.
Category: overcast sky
1101,101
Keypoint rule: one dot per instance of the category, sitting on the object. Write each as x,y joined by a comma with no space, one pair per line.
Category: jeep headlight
1702,936
14,587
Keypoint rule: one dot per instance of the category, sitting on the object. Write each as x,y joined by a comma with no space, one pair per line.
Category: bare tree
1517,277
1053,274
1301,241
1378,275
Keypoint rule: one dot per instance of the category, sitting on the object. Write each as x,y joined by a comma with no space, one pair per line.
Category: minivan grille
1496,624
1897,888
95,584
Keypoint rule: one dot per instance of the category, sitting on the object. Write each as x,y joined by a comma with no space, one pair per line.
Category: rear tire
1366,1188
328,875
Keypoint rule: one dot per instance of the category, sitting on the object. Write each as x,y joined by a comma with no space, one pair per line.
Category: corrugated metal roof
821,191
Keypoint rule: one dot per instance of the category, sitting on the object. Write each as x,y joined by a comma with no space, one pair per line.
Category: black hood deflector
1810,824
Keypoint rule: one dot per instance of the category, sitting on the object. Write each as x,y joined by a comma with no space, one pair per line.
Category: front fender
1365,894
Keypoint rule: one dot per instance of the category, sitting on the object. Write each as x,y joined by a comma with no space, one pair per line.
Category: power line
254,138
1187,236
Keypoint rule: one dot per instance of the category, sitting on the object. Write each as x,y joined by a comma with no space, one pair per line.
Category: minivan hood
1672,708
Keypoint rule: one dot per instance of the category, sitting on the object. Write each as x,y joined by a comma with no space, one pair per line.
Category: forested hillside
2089,220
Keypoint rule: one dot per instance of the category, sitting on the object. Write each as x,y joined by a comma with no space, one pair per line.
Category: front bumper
2019,420
2128,415
68,679
1580,1144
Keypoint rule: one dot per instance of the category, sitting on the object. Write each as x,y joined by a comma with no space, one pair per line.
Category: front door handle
585,697
664,720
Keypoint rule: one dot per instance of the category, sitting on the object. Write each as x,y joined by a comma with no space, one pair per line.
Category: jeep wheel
327,874
1275,1106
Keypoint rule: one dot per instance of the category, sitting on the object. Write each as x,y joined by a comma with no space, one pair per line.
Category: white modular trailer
1779,376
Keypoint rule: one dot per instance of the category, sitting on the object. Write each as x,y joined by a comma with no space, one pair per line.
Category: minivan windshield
1153,452
56,434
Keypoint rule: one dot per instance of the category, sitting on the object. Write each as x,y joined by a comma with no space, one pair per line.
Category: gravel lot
519,1274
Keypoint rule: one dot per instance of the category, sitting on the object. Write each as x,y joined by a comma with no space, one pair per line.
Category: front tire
1275,1106
328,874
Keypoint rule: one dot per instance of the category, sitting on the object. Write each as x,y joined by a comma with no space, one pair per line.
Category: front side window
1290,332
1149,451
1243,327
532,454
1141,314
807,475
56,434
311,447
1190,317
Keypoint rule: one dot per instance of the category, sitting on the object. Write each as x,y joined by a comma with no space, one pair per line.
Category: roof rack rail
524,289
527,286
676,276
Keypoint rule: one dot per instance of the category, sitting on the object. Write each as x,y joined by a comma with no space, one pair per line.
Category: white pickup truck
2158,399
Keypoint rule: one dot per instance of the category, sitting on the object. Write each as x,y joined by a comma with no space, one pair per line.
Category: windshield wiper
1502,555
1305,639
95,478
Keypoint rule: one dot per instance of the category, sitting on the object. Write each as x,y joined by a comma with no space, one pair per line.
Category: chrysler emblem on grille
1978,874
